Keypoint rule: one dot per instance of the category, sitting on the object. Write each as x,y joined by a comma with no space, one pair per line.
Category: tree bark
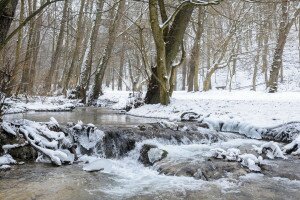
284,28
75,59
193,79
97,87
7,12
55,56
16,70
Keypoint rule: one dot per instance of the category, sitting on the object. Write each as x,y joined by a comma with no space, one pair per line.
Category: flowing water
126,178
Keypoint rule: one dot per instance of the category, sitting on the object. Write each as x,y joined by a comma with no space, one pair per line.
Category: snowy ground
257,108
38,104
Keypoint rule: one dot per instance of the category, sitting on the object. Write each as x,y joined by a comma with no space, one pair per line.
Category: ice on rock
155,154
230,155
98,165
247,160
77,127
168,124
5,167
91,125
90,141
7,159
272,150
251,162
88,159
218,153
243,128
293,147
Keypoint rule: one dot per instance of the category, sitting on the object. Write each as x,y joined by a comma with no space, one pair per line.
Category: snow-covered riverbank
51,104
257,108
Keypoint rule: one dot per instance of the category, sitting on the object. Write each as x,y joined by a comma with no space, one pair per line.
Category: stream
126,178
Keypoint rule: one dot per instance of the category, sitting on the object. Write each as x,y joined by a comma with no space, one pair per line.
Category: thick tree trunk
7,13
86,73
16,70
167,47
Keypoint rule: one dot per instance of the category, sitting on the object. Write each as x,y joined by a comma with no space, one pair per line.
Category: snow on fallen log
57,157
8,147
8,129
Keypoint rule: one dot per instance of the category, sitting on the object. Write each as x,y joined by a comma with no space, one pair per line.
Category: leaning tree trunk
99,76
284,29
7,13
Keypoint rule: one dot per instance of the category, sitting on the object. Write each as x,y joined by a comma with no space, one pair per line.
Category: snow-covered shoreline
39,104
257,108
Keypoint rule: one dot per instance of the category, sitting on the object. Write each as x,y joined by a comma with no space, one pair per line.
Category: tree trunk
195,55
257,56
16,70
121,67
55,56
75,59
183,77
35,48
86,74
7,13
97,87
167,48
23,89
284,28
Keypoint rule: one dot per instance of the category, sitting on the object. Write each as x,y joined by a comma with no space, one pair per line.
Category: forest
152,99
52,47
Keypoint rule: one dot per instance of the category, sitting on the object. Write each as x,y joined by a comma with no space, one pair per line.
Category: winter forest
149,99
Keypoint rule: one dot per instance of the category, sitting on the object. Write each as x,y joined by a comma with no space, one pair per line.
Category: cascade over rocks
51,142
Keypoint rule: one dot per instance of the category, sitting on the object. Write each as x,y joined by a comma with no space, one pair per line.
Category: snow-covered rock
293,147
6,160
98,165
271,149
